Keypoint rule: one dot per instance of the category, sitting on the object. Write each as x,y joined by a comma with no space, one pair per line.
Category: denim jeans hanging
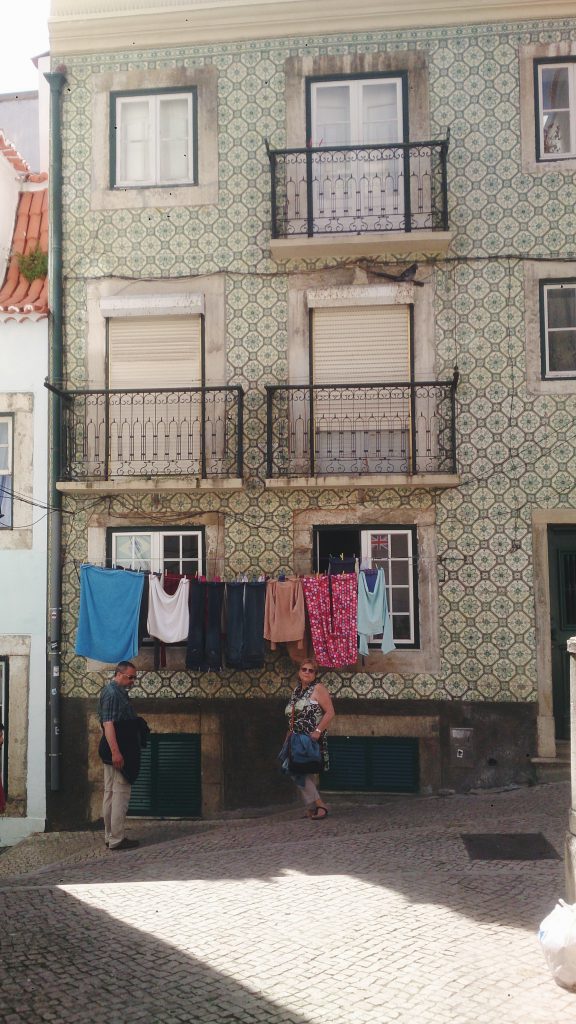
204,647
245,625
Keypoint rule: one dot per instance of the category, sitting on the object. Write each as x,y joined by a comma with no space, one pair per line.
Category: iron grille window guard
359,189
361,428
168,432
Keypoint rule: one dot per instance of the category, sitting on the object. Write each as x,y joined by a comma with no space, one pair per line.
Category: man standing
117,747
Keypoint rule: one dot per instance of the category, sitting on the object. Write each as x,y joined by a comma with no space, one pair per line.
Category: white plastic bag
558,940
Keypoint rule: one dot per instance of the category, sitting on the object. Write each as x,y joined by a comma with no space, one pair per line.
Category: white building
23,490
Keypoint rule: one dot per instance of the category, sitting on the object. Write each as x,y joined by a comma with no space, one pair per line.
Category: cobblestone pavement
375,915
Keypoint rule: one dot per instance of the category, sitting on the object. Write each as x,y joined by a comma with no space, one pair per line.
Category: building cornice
92,26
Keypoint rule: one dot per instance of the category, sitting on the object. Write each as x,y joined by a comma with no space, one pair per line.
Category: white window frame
155,142
411,642
6,474
548,287
387,564
355,88
157,557
542,65
7,471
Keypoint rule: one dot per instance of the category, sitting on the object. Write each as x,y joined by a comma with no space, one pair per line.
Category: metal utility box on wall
461,748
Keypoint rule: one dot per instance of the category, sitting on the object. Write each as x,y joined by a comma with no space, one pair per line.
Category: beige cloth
115,805
284,614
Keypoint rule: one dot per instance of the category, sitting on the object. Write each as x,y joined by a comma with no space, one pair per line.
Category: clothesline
326,612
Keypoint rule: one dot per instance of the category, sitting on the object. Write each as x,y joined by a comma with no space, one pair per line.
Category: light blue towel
373,615
109,611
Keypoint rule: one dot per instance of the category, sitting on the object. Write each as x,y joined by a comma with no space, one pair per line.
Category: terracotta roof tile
11,154
20,298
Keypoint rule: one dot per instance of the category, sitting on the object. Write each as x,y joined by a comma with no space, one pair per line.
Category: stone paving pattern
373,916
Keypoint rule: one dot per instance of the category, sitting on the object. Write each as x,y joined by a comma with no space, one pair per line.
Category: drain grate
509,846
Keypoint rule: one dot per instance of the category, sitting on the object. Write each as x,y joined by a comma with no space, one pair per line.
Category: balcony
359,200
114,438
401,433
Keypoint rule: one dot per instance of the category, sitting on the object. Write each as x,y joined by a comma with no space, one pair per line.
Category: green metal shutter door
169,783
387,764
141,795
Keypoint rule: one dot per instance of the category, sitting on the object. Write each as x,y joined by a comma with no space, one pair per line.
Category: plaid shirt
114,704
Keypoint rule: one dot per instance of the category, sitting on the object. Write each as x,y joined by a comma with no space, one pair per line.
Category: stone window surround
16,649
350,287
527,55
205,80
534,273
104,296
21,406
298,69
403,662
213,523
207,723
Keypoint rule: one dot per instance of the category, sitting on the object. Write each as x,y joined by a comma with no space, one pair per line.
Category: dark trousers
204,647
245,630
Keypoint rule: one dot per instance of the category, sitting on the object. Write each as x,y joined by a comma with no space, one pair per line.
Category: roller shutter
151,352
361,344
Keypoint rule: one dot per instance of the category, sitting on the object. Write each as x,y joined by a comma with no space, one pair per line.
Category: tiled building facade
475,650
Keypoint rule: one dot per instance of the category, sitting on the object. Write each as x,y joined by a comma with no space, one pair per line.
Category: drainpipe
570,842
56,82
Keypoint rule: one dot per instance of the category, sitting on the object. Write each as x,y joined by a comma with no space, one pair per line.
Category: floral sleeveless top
307,714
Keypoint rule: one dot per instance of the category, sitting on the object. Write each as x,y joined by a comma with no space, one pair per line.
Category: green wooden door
562,562
388,764
169,783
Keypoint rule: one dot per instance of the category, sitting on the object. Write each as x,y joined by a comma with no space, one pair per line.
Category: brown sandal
319,814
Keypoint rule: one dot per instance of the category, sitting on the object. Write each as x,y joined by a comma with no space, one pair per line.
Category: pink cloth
332,604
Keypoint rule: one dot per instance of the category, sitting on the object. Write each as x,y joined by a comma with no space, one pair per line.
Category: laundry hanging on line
168,615
109,612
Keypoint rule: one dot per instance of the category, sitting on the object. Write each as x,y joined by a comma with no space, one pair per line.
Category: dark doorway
562,562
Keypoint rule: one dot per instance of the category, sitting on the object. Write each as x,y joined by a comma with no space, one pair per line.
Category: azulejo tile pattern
515,450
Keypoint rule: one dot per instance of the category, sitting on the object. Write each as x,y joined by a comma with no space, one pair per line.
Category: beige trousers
115,804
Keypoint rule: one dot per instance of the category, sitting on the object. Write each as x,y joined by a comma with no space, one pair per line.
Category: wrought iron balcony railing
111,434
361,429
359,189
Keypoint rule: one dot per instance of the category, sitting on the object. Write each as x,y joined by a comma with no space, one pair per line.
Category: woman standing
310,710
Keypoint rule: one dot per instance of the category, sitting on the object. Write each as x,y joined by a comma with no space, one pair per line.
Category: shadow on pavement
80,964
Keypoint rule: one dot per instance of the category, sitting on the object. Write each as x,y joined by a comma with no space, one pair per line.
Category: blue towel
109,610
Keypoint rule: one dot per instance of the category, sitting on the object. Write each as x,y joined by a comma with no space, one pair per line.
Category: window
357,111
153,138
355,187
155,352
392,548
558,328
156,408
368,427
174,550
6,498
555,88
